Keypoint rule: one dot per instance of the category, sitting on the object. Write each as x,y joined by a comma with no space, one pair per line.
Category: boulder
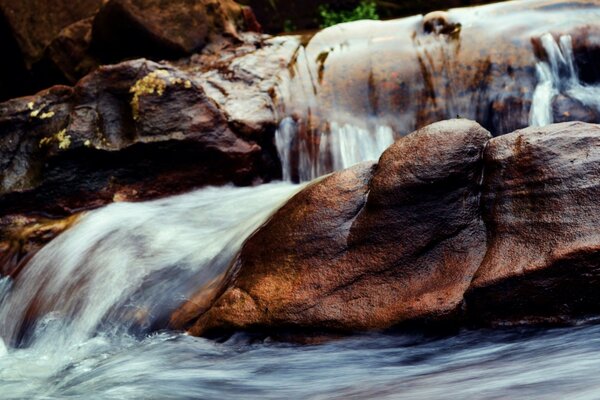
135,130
540,204
366,248
450,227
58,42
35,23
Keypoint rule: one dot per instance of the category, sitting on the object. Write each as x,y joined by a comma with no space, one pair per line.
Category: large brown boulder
449,227
540,204
367,247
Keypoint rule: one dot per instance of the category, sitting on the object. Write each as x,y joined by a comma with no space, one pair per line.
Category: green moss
367,9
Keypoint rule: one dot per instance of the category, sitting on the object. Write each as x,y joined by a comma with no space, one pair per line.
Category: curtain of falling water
558,75
121,270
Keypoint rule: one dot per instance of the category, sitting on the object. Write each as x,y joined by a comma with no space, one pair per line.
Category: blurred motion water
500,364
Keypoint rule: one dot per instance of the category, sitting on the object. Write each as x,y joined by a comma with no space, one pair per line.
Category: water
337,148
558,75
515,364
118,274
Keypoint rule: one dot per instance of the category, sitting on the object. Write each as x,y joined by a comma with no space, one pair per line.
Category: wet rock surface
449,227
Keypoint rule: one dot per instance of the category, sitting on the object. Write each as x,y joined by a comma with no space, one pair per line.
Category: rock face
449,226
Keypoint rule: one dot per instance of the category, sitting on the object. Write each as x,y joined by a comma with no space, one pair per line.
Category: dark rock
368,247
69,53
26,29
136,130
160,29
35,23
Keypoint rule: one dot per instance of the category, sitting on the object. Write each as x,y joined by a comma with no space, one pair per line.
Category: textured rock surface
448,227
367,248
541,207
477,63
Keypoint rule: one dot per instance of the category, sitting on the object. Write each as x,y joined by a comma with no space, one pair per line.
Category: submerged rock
449,225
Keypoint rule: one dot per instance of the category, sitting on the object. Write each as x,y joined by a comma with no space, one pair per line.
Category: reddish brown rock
69,53
35,23
364,248
448,227
540,205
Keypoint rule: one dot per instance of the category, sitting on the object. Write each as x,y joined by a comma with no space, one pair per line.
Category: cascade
557,75
122,270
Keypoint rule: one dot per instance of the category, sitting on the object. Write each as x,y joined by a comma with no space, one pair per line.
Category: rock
450,227
136,130
57,42
159,29
366,248
69,53
477,63
35,23
26,28
540,205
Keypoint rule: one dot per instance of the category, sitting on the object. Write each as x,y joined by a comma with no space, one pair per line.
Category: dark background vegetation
277,15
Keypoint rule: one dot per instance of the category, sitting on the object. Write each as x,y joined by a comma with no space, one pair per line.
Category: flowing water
558,75
88,316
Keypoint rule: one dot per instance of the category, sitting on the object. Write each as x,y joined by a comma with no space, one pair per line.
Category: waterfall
558,75
340,147
120,272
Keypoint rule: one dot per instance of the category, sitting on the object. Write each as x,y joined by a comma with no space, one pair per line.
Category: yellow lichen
47,115
63,140
87,143
35,113
45,141
154,82
30,105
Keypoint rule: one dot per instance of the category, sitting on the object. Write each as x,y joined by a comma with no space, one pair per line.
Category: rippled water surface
524,364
